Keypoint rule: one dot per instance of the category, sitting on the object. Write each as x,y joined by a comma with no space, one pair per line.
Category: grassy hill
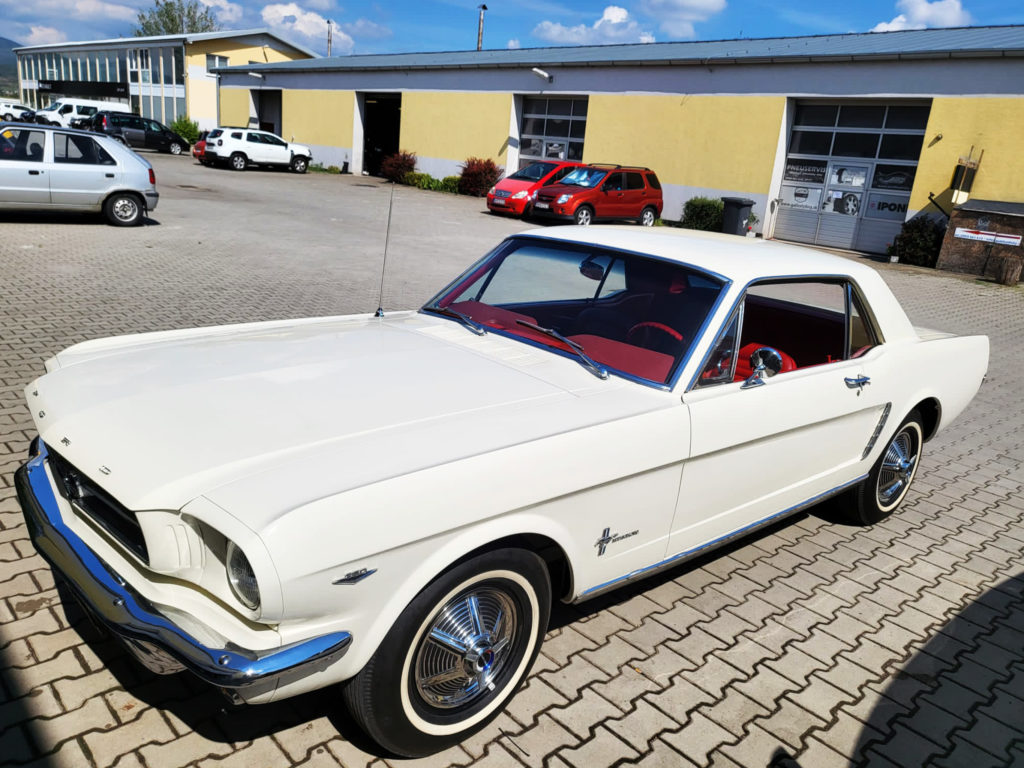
8,67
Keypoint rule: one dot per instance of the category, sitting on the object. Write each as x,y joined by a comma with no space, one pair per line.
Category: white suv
242,147
12,110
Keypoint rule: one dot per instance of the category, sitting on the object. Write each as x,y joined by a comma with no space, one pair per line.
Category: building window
139,66
552,129
213,61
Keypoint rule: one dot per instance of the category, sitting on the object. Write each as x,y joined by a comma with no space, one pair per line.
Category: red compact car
199,149
515,194
601,192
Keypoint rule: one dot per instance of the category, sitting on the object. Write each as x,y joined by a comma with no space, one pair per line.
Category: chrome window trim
847,280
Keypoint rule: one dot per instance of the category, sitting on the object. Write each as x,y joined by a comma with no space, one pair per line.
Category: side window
87,111
137,123
17,144
721,366
614,183
152,125
253,138
66,109
237,135
634,181
80,150
652,180
861,334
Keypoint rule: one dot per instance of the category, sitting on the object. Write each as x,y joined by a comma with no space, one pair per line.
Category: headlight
563,199
490,191
520,195
242,579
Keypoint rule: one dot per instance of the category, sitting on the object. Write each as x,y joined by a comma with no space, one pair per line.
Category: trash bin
735,215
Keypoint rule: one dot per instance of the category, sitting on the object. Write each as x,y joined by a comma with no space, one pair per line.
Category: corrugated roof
187,38
923,43
992,206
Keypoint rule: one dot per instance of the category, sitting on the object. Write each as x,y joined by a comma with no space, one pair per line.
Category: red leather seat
743,369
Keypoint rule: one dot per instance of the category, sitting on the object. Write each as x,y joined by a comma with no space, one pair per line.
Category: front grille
501,193
102,508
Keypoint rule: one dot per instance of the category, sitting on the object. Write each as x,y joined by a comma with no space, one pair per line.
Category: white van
63,111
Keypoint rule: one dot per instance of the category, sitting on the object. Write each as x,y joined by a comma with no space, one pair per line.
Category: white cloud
677,17
320,5
614,26
921,14
366,29
83,9
44,36
513,44
225,11
291,19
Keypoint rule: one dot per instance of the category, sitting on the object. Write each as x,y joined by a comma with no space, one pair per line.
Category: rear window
214,133
652,180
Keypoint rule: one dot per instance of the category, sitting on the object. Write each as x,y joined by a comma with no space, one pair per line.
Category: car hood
515,185
323,405
555,190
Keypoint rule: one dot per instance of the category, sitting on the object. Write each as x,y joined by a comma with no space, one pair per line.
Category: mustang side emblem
65,441
355,576
105,470
607,537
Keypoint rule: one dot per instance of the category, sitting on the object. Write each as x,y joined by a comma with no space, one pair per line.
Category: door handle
858,382
34,173
109,175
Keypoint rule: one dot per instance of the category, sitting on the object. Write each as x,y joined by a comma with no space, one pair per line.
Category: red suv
515,194
596,192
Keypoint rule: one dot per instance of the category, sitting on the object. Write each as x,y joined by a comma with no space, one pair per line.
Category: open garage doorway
267,103
382,122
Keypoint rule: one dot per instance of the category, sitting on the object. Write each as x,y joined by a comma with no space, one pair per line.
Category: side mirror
766,362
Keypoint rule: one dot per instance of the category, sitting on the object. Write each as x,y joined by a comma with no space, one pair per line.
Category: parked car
61,169
241,147
12,110
138,132
199,148
515,194
394,502
64,110
603,193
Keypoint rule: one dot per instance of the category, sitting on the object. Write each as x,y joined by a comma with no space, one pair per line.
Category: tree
176,17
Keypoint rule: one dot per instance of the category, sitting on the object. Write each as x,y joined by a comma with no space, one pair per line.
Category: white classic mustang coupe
393,502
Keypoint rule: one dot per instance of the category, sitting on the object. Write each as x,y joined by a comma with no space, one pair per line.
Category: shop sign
848,175
800,198
892,207
807,171
83,88
894,177
840,201
986,237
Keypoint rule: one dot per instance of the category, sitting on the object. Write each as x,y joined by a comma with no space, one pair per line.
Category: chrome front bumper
153,638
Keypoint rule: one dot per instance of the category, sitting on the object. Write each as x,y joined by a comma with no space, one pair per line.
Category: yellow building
162,77
837,139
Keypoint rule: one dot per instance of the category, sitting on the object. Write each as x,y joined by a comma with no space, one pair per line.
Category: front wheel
238,161
584,216
300,164
886,485
455,655
648,217
175,148
123,209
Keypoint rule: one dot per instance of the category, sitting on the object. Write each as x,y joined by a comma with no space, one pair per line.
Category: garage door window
552,129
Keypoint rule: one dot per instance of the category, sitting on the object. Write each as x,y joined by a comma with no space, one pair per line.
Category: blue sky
439,25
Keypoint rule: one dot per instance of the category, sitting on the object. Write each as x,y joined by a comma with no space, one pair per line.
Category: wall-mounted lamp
542,74
936,140
255,74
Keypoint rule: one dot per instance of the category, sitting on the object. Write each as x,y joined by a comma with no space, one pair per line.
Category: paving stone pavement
813,643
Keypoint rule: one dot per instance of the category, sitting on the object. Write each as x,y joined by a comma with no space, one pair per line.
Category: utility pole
480,28
329,24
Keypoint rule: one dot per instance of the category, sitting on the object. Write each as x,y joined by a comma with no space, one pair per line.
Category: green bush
919,241
450,184
187,129
478,176
703,213
426,181
395,167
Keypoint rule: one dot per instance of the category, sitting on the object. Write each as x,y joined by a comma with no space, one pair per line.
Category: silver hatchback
60,169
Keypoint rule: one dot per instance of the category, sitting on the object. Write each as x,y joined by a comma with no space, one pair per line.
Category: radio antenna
384,266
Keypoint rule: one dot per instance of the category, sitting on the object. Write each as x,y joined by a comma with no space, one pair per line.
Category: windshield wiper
595,368
466,320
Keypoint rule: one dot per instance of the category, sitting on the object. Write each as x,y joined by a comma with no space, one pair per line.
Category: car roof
740,259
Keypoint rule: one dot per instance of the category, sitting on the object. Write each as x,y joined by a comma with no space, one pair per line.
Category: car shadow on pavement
35,218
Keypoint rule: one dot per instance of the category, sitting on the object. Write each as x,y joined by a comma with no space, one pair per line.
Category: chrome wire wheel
466,647
898,466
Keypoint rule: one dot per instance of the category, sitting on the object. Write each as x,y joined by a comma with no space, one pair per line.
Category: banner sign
986,237
83,88
807,171
803,198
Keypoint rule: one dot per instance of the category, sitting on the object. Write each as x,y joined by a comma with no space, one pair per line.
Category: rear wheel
239,161
123,209
7,116
886,485
175,148
456,654
584,216
648,217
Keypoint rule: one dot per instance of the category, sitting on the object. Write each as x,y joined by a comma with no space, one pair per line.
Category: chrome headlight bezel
241,577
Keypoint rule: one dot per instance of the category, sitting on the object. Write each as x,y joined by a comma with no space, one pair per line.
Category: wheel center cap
478,658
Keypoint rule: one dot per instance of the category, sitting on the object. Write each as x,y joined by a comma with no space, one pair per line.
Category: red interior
645,363
743,369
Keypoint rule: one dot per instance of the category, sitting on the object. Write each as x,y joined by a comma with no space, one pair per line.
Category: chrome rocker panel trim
138,623
682,557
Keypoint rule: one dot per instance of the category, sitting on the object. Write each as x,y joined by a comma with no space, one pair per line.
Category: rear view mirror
591,269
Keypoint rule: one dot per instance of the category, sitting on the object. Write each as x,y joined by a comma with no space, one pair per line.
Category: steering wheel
655,326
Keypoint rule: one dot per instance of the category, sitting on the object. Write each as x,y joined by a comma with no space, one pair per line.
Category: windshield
584,177
52,108
630,314
533,172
